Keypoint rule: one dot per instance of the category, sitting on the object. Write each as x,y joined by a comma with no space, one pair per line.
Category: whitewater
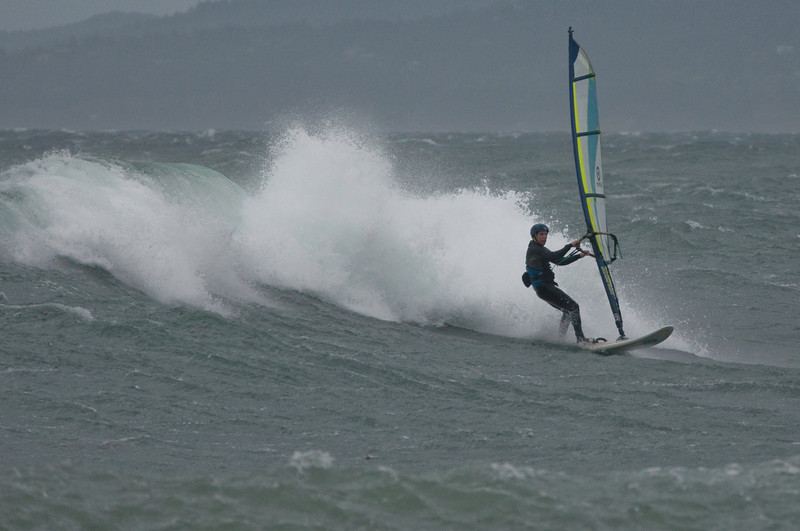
329,218
324,327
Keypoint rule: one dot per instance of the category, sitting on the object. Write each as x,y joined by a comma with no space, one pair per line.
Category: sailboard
623,345
587,152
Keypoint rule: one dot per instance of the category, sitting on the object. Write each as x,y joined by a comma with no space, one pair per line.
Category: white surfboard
616,347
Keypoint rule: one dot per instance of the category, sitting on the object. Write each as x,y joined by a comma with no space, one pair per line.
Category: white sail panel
583,66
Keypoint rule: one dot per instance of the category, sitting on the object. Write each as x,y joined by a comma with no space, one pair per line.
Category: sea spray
330,219
109,215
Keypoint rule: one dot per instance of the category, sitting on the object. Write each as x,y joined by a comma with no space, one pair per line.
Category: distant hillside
99,25
495,66
238,14
319,12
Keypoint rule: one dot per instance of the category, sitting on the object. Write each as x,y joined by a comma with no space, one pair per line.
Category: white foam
695,224
303,461
158,239
507,471
78,311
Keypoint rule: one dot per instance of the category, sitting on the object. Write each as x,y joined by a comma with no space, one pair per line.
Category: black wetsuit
537,262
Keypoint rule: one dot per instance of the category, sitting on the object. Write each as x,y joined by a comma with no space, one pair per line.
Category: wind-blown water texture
325,329
500,496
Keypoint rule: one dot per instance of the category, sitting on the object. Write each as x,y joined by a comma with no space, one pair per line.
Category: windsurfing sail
589,167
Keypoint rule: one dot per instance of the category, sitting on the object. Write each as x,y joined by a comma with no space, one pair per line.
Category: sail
589,166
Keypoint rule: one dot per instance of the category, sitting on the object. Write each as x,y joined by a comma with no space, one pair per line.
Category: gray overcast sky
35,14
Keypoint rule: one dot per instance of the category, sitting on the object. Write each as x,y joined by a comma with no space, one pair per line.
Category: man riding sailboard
586,146
539,274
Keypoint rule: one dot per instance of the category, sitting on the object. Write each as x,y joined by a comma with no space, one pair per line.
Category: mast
586,150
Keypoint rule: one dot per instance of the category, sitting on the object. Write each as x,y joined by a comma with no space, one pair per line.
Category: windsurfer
540,275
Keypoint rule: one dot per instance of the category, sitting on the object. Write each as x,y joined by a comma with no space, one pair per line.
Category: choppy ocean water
326,329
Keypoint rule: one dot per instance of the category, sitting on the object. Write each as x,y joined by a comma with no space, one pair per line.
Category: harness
532,277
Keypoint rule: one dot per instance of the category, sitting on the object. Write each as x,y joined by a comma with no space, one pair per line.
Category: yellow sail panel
590,162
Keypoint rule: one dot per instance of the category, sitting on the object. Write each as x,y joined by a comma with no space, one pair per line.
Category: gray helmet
539,227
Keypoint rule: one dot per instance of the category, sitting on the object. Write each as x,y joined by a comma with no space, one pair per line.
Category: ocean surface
325,328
